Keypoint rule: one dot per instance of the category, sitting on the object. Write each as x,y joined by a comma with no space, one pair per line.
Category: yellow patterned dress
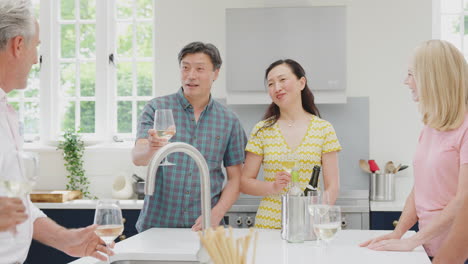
270,143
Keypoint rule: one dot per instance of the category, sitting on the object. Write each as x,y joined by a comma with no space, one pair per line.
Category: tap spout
202,168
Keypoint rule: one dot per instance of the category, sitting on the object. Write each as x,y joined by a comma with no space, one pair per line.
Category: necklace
290,123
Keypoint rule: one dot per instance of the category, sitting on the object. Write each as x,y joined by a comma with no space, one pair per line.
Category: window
26,102
451,22
96,73
134,23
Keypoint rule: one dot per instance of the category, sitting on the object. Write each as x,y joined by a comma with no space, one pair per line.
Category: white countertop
89,204
172,244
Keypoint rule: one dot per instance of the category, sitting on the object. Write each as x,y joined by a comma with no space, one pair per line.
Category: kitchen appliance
139,186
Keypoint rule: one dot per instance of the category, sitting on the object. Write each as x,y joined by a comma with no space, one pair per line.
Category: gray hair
16,19
200,47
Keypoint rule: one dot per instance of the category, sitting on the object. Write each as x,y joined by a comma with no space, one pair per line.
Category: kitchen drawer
386,221
74,218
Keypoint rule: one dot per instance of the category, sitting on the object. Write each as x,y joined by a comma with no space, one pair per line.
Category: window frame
437,29
106,99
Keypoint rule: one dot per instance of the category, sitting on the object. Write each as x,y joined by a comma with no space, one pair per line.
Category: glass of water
327,221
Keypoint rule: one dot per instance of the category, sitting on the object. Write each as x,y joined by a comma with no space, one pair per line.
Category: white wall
381,37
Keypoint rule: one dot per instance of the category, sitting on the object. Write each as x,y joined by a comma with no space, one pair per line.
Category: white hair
16,19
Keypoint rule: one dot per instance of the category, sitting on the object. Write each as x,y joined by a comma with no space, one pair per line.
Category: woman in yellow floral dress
291,126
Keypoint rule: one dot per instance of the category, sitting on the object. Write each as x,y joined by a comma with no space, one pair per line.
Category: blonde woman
291,127
437,78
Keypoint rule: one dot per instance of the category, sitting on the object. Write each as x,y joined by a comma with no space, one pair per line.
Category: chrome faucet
202,168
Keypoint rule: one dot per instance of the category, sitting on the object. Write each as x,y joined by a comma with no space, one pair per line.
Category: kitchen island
171,244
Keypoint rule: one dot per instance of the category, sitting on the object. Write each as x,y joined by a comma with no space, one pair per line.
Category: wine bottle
313,183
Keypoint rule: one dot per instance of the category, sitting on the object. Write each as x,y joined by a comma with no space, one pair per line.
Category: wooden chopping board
54,196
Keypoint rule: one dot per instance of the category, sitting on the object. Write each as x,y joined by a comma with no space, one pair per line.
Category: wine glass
18,174
108,217
327,222
165,127
27,164
289,162
313,199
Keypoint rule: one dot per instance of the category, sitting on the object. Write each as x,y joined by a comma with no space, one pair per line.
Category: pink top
437,162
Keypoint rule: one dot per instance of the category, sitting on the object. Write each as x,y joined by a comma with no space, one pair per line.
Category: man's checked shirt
220,138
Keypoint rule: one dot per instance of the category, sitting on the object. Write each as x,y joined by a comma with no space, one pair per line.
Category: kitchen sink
153,262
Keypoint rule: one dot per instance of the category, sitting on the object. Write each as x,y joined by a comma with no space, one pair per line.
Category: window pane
144,78
88,9
450,6
15,105
88,41
465,4
124,117
33,82
144,8
68,121
145,40
124,9
14,94
36,7
140,106
450,30
124,79
88,79
31,118
68,41
465,35
67,78
67,9
124,39
87,117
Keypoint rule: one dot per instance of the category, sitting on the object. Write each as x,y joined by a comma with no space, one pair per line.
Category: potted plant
73,148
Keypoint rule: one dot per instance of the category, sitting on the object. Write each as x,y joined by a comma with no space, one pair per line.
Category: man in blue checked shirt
207,125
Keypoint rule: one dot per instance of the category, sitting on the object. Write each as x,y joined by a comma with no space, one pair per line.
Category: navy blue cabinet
74,218
386,221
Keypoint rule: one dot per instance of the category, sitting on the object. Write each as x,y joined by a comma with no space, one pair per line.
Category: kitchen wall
381,37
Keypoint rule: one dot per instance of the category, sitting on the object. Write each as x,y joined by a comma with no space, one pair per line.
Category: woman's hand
370,243
281,181
407,244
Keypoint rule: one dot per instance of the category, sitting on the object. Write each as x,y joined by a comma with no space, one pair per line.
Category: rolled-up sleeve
35,212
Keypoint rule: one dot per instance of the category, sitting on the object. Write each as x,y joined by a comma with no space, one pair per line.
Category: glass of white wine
289,162
108,217
327,221
18,173
165,127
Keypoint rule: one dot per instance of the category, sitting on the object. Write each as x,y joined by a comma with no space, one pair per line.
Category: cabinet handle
395,223
124,220
122,237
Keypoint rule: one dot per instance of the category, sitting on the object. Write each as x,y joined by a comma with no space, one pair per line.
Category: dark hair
200,47
273,112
